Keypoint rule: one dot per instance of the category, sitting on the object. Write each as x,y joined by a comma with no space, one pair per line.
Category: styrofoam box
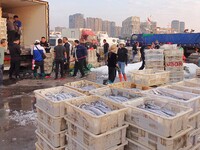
157,142
105,92
132,145
173,58
95,124
56,124
161,125
154,63
54,108
44,144
193,100
180,68
56,139
77,85
195,136
149,77
154,51
153,57
74,145
97,142
194,120
128,86
173,53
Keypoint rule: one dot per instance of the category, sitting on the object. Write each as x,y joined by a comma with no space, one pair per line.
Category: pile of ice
23,118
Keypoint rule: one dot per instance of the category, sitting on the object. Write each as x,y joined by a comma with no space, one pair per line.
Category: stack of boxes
174,64
154,59
90,132
51,125
3,28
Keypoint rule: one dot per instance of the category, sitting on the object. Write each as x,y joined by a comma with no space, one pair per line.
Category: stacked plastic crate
154,59
174,64
151,130
48,63
87,131
3,28
92,57
187,94
51,125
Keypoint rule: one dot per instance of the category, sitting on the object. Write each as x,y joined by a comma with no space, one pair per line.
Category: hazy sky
162,11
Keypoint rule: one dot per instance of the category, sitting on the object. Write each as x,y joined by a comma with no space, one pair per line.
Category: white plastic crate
154,52
132,145
90,141
156,142
174,68
173,52
195,136
195,147
74,145
193,100
174,58
78,85
149,77
95,124
155,68
194,82
187,83
54,108
176,79
153,57
56,139
154,63
56,124
184,88
174,74
45,145
105,92
161,125
194,120
129,86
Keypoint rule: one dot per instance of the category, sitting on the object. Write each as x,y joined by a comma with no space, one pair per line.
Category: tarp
189,39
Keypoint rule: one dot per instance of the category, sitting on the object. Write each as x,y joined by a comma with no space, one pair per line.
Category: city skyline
161,11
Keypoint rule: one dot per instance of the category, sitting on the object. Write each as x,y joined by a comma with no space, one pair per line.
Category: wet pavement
18,96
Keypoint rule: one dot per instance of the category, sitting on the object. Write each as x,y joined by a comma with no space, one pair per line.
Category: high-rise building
182,27
94,23
112,29
106,26
59,29
175,26
131,25
118,31
76,21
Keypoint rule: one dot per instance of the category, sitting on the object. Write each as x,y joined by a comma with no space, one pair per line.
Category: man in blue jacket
79,57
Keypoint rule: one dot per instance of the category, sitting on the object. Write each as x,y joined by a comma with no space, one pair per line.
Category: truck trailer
34,15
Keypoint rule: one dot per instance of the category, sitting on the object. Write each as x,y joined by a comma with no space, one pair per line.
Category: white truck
34,15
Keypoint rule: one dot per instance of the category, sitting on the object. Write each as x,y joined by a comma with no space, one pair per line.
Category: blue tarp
189,39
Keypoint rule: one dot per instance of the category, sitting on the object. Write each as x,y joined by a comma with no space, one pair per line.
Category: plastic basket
157,142
193,100
105,92
194,120
158,124
184,88
54,108
56,139
74,145
56,124
45,145
135,146
95,124
194,82
90,141
78,85
150,77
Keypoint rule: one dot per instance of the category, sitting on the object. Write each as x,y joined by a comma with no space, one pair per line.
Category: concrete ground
17,96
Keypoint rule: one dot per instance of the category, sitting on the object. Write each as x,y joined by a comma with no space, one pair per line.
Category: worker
15,59
112,64
79,56
45,44
157,45
10,31
122,54
105,49
3,44
60,57
68,48
142,49
18,27
38,52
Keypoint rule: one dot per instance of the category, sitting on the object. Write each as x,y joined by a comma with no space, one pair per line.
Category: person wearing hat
38,57
122,54
112,63
15,53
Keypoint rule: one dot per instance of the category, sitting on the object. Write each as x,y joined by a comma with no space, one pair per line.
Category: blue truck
189,41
